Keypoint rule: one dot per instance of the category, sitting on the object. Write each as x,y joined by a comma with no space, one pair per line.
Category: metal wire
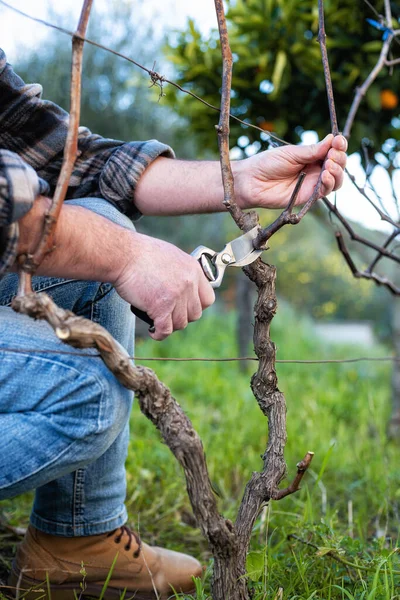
208,359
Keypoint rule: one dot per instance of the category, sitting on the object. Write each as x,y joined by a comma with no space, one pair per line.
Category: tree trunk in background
245,316
394,424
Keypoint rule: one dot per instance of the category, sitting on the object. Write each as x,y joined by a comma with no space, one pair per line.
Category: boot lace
132,535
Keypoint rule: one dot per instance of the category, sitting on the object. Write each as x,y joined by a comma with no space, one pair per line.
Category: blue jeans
64,417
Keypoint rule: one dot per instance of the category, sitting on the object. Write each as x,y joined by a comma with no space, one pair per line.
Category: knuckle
191,284
167,330
332,154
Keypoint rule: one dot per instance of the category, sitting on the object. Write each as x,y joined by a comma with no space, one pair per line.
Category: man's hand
150,274
165,282
267,180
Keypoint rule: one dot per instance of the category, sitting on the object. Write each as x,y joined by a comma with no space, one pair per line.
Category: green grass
338,411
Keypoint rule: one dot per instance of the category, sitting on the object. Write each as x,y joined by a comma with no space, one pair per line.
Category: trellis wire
210,359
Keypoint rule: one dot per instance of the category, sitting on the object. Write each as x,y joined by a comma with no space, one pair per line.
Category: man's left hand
267,180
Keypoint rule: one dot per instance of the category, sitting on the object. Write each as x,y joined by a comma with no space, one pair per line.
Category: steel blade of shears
242,250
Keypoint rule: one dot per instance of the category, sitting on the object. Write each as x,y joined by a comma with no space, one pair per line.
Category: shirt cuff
19,186
10,245
123,169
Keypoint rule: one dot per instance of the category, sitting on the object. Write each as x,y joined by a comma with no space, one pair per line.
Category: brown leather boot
146,573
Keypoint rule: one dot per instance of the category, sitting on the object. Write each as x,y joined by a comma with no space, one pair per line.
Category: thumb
313,152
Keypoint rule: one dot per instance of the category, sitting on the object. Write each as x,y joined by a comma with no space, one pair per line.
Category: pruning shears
237,253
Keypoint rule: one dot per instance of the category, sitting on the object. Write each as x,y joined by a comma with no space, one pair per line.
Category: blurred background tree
278,81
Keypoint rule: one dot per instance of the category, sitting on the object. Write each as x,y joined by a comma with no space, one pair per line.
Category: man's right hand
168,284
150,274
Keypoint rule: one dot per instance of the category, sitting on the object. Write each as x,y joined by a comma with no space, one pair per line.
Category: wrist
88,246
132,250
241,182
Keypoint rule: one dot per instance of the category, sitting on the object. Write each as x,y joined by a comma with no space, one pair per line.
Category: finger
206,293
336,171
313,152
338,157
328,183
163,328
339,142
180,317
194,310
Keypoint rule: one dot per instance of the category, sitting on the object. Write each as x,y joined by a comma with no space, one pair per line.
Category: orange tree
278,82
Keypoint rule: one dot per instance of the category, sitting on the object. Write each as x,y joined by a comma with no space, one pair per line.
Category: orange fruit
389,100
267,125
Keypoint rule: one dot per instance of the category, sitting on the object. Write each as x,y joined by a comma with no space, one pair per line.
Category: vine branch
71,145
362,90
245,221
327,73
358,238
368,273
155,401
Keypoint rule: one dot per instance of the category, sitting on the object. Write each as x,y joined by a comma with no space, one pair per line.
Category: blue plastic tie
380,27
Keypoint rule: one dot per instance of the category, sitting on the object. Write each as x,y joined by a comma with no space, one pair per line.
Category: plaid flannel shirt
32,137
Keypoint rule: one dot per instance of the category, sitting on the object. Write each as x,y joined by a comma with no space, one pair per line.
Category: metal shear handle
213,263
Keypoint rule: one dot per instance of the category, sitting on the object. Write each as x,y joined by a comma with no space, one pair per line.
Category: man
64,417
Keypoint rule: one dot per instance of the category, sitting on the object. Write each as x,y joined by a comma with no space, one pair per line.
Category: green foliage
274,41
255,565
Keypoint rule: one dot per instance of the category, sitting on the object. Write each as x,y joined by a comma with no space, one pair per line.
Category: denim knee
57,413
75,448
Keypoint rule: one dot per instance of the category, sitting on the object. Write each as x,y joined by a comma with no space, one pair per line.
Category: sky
18,34
163,14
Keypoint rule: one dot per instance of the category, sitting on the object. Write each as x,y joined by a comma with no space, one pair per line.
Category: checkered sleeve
37,130
19,186
108,169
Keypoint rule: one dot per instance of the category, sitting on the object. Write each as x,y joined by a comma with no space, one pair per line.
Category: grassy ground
342,525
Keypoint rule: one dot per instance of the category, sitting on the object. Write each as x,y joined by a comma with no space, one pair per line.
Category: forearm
148,273
86,245
265,180
176,187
